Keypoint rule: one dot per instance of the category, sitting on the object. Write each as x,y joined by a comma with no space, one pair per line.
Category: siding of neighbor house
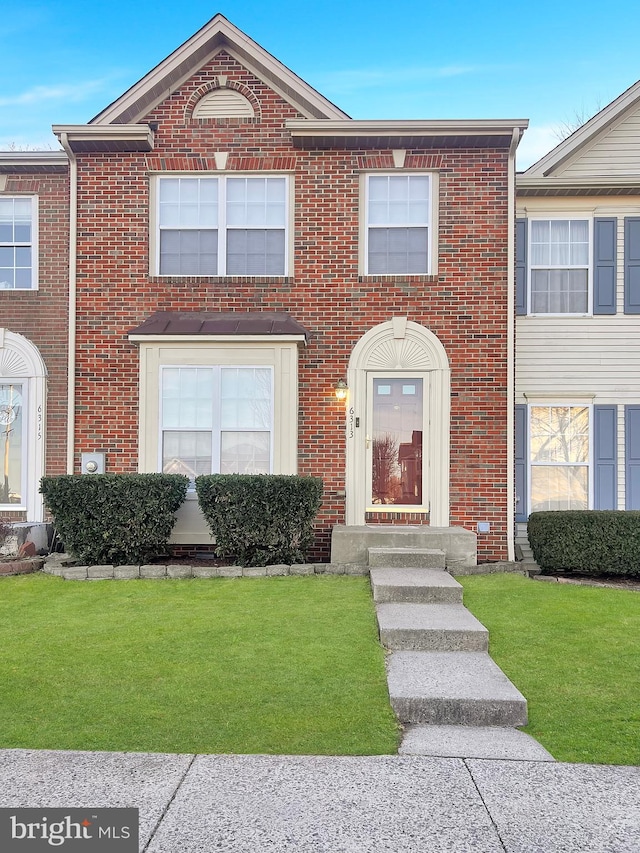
592,360
465,304
41,315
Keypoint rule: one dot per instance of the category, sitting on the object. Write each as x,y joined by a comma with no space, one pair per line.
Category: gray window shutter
605,421
632,265
604,265
521,266
521,443
632,456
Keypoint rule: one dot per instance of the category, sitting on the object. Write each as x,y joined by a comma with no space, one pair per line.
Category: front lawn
265,665
574,651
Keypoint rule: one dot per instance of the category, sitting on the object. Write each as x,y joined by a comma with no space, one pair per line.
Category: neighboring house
238,246
34,310
578,324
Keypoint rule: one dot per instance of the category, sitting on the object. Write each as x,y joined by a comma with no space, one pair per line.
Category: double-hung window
559,259
216,419
398,224
17,242
222,226
559,457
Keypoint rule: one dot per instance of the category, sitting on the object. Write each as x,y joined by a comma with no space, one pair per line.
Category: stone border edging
55,565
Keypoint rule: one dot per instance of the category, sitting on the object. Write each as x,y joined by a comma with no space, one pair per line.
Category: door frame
399,347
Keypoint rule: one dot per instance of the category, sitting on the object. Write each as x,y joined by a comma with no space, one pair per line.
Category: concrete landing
495,742
351,544
420,586
453,688
431,627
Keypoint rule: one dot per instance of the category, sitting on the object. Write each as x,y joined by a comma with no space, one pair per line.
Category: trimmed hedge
603,542
115,519
260,519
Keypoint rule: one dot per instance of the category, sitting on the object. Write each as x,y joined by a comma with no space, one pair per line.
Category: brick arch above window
221,101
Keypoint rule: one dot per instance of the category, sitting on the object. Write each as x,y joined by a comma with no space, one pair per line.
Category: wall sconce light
340,390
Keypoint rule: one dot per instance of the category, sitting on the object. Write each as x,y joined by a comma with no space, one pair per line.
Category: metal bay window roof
219,324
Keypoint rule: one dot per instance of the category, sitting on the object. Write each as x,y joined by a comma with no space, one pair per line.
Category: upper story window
398,224
17,242
222,226
559,266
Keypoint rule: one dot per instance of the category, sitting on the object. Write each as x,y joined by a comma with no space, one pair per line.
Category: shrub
260,519
588,541
114,518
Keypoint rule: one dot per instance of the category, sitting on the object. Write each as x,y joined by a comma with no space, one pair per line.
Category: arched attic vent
223,103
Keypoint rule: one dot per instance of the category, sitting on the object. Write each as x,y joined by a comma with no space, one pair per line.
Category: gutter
511,341
73,296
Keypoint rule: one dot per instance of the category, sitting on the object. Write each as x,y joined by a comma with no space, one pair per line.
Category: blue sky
63,61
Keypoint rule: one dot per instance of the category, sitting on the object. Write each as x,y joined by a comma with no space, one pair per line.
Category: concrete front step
405,558
420,586
453,688
430,627
495,742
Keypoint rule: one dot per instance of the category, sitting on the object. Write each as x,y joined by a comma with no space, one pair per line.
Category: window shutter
604,265
521,435
605,457
632,265
521,266
632,456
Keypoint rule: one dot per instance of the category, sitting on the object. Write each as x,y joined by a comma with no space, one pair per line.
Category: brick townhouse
219,251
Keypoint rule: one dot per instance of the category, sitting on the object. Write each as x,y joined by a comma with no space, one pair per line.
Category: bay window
216,419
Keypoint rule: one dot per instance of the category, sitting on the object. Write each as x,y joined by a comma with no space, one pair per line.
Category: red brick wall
42,315
465,304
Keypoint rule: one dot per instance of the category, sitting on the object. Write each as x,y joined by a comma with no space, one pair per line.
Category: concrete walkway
311,804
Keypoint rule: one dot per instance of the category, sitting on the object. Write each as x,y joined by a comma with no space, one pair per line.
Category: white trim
428,224
197,351
221,224
218,34
25,366
399,347
32,244
215,429
561,217
589,464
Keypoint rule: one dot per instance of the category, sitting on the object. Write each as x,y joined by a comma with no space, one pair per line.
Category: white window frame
221,224
430,224
565,217
33,245
216,428
561,404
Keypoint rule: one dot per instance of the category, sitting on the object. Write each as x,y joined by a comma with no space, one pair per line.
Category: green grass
266,665
574,651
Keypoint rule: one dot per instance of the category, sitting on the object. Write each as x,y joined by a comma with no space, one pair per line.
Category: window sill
221,279
400,278
564,316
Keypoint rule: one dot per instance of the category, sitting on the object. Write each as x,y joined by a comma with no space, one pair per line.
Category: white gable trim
586,134
219,34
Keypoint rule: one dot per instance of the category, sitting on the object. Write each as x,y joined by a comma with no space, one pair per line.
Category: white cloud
61,92
366,78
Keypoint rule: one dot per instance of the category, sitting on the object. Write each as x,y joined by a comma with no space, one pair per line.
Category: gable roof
586,135
219,34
